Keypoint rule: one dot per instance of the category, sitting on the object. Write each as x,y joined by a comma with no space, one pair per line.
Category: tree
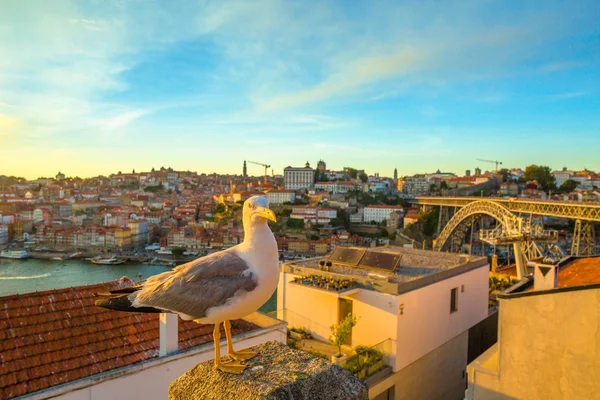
177,251
220,208
285,212
541,174
352,172
295,223
443,185
363,177
568,186
341,331
504,173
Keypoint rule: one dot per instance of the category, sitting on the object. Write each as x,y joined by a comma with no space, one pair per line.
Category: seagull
215,289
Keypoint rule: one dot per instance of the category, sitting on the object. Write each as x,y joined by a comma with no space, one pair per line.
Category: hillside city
356,251
171,214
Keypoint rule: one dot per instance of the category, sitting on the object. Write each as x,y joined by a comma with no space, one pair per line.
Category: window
454,300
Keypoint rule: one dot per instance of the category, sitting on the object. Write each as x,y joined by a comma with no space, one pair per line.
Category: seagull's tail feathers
121,302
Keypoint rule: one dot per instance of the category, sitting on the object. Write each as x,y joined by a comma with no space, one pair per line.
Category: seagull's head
256,211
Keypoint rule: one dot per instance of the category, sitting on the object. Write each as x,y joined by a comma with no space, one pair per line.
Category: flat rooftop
398,265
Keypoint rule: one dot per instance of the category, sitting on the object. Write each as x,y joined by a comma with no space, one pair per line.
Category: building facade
280,196
298,178
422,305
548,338
379,212
414,185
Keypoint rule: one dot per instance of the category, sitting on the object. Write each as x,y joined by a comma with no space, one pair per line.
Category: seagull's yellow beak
266,213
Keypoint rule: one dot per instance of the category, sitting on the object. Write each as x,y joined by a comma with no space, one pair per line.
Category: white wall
427,322
316,306
377,317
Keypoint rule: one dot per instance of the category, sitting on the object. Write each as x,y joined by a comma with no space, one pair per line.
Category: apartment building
421,303
280,196
315,215
379,212
416,185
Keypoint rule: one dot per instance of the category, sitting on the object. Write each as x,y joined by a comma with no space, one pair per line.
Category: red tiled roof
581,271
58,336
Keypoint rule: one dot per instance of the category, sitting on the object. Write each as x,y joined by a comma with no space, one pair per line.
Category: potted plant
339,335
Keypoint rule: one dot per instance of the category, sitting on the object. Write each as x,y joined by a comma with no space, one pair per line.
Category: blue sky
90,87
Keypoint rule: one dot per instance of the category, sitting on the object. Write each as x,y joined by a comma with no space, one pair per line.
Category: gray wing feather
195,287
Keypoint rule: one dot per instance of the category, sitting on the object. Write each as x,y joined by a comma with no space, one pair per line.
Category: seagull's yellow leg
236,355
230,367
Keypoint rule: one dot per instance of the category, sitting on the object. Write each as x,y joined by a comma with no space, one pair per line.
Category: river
30,275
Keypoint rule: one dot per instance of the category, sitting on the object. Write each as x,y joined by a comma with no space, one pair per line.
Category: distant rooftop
398,265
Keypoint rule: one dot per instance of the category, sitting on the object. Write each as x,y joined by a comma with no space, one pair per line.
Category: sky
95,87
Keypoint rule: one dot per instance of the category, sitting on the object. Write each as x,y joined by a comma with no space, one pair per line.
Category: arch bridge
515,224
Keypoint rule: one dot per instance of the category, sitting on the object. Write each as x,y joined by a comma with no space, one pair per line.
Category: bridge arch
507,219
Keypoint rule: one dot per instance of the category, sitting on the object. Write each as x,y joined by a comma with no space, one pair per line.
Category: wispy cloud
564,65
121,120
566,96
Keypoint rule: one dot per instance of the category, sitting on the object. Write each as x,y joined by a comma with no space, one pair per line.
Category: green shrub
302,331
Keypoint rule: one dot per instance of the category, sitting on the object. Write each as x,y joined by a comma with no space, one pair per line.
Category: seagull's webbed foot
231,367
242,355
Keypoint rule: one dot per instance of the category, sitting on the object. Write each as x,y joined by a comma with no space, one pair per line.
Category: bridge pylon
584,239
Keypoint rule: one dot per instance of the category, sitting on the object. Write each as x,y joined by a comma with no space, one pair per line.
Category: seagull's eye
249,205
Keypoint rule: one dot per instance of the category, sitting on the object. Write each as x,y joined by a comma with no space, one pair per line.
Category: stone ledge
276,373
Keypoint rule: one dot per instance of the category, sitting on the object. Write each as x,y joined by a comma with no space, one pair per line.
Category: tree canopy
568,186
541,174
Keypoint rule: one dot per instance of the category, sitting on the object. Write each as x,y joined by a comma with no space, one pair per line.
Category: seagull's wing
192,288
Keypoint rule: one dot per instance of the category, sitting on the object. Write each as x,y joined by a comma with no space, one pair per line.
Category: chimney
545,276
169,334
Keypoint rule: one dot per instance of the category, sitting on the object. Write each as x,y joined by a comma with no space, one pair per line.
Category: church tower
245,172
395,174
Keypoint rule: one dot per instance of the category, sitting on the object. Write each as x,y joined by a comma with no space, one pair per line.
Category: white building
335,187
562,176
416,306
379,212
3,235
280,196
298,178
315,215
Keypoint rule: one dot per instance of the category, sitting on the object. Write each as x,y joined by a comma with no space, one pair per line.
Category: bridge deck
561,209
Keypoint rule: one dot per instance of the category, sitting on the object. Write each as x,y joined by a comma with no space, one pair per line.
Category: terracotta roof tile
54,337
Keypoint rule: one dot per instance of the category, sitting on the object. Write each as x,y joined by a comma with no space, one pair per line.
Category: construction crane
266,166
493,162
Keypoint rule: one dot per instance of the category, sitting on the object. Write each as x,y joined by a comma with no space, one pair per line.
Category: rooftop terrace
397,266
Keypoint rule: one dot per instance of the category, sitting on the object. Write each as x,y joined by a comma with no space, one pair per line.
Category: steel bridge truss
505,211
560,209
530,240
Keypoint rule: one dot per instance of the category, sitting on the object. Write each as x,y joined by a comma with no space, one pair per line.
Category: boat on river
107,261
18,254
